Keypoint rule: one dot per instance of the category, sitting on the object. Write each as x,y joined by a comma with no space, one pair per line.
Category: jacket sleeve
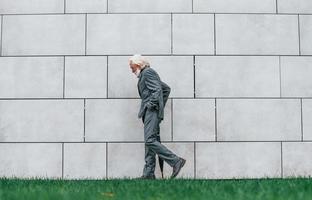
153,83
166,91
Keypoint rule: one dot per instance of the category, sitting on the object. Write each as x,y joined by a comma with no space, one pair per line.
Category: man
154,94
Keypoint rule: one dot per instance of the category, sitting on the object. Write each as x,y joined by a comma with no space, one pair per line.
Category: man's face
134,67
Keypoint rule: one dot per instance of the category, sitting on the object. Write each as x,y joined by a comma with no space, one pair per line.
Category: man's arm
166,91
154,85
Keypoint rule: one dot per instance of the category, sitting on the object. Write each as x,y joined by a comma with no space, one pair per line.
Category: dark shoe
147,177
177,167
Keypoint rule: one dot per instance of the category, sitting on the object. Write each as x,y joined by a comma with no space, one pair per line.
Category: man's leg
150,162
150,157
151,129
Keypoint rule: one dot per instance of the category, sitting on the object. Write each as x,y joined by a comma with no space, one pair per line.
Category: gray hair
139,60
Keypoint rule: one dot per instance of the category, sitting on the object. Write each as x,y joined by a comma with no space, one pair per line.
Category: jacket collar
142,71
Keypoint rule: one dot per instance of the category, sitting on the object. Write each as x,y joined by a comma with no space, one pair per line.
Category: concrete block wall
240,73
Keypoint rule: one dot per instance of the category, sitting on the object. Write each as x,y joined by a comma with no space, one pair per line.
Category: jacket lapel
140,78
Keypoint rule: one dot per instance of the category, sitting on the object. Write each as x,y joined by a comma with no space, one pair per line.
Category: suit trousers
153,145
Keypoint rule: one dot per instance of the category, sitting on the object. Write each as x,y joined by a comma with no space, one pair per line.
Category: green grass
167,189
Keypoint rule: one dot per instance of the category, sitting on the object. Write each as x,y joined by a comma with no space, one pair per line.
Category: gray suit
154,94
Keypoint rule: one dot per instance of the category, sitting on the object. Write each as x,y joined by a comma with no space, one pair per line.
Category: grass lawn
169,189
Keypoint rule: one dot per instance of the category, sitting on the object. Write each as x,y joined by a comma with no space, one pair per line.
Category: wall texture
240,73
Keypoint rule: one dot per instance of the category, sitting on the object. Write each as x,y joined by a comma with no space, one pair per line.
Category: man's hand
151,106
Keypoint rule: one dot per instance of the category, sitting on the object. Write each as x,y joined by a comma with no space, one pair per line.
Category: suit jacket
153,92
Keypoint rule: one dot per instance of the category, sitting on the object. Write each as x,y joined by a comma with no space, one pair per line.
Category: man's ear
138,66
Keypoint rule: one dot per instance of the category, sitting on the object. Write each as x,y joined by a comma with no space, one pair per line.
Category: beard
137,72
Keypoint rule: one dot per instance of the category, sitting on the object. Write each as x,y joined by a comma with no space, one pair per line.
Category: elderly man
154,94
